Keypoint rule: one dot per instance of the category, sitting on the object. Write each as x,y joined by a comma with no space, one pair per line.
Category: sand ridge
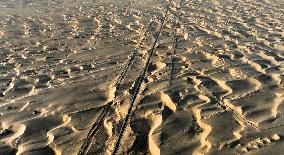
141,77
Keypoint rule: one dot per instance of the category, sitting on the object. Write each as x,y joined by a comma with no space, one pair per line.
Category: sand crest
154,77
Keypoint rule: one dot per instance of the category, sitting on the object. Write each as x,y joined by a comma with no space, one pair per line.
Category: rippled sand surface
141,77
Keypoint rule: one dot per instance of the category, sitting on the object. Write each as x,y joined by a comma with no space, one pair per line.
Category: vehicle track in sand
95,127
137,86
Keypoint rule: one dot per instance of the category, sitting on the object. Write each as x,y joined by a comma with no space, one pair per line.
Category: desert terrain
153,77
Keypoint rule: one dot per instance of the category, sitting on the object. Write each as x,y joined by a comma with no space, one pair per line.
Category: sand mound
141,77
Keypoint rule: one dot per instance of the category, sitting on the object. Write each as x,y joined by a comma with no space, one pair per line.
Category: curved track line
220,102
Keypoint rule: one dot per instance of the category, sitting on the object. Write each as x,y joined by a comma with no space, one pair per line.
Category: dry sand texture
141,77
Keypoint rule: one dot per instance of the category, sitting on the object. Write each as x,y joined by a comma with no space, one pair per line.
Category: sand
141,77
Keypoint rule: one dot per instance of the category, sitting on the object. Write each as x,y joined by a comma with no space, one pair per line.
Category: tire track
175,40
225,107
138,84
95,127
132,58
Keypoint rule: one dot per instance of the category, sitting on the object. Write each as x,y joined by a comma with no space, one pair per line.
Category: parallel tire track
96,126
137,86
94,129
132,58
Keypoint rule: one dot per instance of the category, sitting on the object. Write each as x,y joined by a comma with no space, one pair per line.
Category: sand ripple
141,77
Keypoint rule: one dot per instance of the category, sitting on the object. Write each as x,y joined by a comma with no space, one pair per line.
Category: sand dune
141,77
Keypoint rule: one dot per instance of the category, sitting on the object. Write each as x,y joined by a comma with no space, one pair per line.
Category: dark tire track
96,126
137,86
136,89
132,57
175,41
94,129
173,57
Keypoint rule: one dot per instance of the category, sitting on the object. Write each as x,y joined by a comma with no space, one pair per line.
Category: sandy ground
141,77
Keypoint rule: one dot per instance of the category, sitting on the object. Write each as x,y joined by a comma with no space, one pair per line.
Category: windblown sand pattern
141,77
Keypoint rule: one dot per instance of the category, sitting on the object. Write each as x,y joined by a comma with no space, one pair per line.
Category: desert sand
157,77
